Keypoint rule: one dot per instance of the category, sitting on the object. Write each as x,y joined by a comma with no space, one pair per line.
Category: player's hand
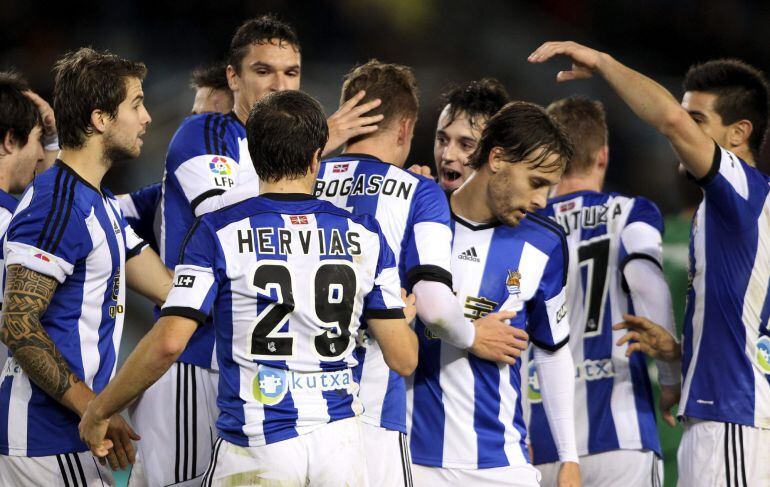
669,397
410,310
585,61
349,121
649,338
46,113
569,475
498,341
93,432
421,170
120,434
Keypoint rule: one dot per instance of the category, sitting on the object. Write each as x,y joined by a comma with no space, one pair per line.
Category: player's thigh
70,469
701,455
519,476
336,453
283,463
627,468
175,418
387,456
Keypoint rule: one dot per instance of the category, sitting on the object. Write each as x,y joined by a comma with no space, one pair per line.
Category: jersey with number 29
286,278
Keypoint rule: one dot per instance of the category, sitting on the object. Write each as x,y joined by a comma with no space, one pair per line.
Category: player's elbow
673,121
402,359
169,348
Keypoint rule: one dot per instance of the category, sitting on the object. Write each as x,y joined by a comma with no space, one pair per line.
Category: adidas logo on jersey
470,255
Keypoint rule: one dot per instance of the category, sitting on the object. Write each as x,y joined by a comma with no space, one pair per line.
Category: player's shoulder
207,133
542,232
7,203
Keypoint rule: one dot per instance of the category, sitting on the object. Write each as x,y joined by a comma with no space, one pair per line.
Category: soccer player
287,278
21,150
726,386
67,265
466,423
368,179
206,157
212,93
616,268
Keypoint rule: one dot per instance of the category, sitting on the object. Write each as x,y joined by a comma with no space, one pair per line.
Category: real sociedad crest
513,282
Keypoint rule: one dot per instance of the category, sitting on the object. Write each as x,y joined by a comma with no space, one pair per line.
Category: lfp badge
269,385
513,282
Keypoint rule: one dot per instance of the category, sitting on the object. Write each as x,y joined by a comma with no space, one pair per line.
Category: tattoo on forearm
27,296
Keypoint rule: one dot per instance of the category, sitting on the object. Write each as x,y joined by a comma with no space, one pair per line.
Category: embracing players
308,271
725,400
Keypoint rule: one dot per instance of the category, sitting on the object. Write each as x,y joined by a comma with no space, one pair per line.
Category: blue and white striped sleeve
428,245
548,323
734,190
195,284
384,300
642,236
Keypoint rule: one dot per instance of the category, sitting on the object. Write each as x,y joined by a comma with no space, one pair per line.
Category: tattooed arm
27,296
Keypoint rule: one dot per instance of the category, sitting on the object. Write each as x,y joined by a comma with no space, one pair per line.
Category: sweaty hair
88,80
266,29
585,123
741,91
394,84
478,100
213,76
284,130
18,114
521,129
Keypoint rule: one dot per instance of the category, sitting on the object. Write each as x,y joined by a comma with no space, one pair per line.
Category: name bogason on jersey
364,184
283,241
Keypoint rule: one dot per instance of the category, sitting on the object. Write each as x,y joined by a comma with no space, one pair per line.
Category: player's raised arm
649,100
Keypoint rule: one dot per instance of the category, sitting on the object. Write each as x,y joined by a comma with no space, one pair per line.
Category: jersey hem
379,422
462,465
763,425
39,452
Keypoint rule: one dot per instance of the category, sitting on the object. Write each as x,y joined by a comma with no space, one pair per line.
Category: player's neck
7,165
88,162
384,148
574,184
466,203
744,153
301,185
241,111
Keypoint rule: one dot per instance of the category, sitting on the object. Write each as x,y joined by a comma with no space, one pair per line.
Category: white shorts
68,469
331,456
714,454
521,476
388,460
626,468
176,419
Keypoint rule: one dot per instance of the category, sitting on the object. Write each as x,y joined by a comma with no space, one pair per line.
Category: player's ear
315,163
405,130
9,142
603,158
99,120
495,160
232,78
739,132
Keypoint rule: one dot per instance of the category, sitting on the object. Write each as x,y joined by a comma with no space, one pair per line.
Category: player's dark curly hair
394,84
88,80
261,30
741,90
585,123
284,130
18,114
477,100
212,76
521,129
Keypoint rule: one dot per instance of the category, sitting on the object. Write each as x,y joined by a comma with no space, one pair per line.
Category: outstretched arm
649,100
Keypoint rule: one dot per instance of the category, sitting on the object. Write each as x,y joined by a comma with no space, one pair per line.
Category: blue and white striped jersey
614,407
726,342
7,207
67,229
287,278
207,156
414,216
465,412
142,211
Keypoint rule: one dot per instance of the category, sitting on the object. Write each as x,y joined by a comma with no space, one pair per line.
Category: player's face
518,188
28,158
455,141
212,100
123,135
266,68
700,106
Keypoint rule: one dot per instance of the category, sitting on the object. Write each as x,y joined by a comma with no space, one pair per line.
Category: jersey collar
288,196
